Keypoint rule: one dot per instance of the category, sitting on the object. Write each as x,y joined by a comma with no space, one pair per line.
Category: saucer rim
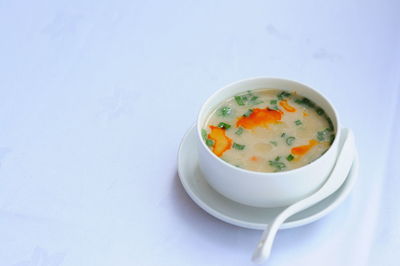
348,186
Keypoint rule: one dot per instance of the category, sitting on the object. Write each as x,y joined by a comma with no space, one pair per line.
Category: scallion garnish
204,134
310,103
305,101
239,131
247,99
238,146
274,143
298,101
298,122
321,135
210,142
290,157
290,140
239,100
283,94
224,111
252,103
283,135
273,102
248,113
277,164
320,111
224,125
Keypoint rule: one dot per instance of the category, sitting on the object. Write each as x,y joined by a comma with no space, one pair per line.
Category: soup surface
268,130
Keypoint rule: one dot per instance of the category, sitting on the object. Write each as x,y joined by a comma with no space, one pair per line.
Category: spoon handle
337,177
264,246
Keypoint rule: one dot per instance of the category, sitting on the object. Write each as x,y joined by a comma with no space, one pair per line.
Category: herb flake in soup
268,130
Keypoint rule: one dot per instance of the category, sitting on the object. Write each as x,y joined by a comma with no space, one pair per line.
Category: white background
95,97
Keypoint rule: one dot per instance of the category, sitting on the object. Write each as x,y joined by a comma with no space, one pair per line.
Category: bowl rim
268,174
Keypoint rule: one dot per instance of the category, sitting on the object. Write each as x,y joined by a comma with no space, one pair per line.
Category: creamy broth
268,130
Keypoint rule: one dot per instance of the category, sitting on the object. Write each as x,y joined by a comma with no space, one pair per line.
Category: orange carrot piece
301,150
287,106
254,158
259,118
222,142
305,114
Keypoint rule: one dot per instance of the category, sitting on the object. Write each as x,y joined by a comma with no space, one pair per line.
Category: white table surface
95,97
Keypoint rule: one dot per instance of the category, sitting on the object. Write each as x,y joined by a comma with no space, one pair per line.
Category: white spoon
335,180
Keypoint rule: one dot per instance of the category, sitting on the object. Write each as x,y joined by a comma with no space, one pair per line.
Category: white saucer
242,215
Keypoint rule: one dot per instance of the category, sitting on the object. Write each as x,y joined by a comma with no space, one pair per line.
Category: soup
268,130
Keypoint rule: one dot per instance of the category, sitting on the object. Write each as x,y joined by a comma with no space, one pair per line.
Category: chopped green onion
210,142
277,164
224,111
239,131
224,125
290,140
274,107
248,99
321,135
308,102
204,134
283,135
298,101
255,102
239,100
305,101
274,143
290,157
248,113
283,94
320,111
238,146
273,101
251,99
298,122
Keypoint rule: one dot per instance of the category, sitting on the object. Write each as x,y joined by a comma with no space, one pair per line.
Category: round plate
242,215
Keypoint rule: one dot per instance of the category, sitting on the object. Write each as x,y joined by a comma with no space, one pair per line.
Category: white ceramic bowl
261,189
